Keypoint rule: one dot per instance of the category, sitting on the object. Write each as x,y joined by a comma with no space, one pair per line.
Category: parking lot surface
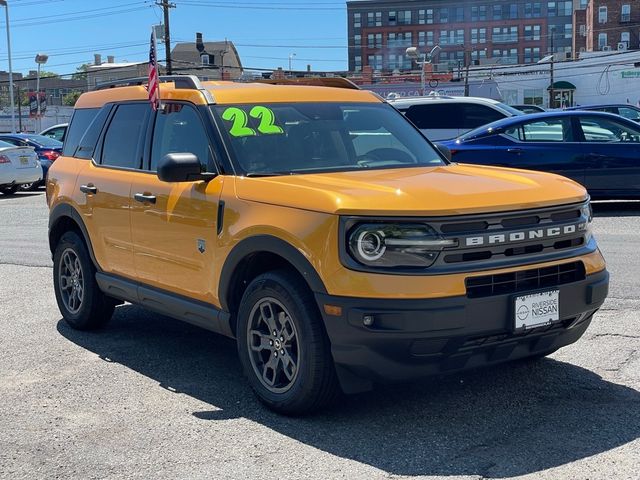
150,397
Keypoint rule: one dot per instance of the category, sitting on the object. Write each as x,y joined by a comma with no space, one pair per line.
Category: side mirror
444,150
182,167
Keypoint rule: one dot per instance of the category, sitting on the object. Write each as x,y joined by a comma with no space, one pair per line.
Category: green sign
631,74
239,121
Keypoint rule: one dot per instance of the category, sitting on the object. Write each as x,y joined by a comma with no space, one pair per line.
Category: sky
265,32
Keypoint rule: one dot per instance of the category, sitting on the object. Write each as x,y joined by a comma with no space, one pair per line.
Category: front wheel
81,302
29,187
283,347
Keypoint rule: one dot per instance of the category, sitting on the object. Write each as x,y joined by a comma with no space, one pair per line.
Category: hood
454,189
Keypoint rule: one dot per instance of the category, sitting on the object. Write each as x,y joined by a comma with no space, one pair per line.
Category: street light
13,107
291,55
413,53
41,59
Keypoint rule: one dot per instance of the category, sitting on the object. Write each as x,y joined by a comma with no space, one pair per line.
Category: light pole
13,106
291,55
41,59
413,53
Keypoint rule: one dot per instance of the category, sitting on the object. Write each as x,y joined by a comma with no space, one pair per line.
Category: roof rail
335,82
187,82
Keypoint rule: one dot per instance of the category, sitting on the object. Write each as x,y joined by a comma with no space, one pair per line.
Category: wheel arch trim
62,211
266,244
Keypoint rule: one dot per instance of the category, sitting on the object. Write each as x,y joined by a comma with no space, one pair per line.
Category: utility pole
552,92
466,73
167,37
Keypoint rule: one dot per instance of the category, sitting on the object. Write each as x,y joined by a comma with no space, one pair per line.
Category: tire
9,190
291,372
82,304
30,187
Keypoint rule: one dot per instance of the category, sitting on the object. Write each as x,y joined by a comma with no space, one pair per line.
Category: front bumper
415,338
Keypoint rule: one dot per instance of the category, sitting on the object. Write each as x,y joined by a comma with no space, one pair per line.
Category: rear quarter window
436,115
80,121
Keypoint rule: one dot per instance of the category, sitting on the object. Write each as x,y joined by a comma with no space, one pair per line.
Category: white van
443,118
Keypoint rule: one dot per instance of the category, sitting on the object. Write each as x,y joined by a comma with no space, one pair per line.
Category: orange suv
319,228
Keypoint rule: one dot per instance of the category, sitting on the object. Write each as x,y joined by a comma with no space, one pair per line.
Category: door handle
89,188
517,151
145,198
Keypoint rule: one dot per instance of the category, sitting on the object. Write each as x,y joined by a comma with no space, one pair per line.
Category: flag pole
155,49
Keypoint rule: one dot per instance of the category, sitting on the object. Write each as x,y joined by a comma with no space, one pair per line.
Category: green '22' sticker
239,120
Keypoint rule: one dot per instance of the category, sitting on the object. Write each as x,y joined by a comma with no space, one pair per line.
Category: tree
71,98
81,72
45,74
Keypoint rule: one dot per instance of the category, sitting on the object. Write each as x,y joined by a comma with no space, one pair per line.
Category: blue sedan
599,150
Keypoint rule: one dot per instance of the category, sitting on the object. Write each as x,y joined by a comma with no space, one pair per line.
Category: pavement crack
617,335
26,265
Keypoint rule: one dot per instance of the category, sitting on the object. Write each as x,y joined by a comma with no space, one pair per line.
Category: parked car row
598,146
47,150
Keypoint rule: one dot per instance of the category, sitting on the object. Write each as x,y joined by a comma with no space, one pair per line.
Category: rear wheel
29,187
9,190
284,350
81,302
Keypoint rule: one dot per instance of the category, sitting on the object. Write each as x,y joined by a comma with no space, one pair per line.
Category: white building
599,77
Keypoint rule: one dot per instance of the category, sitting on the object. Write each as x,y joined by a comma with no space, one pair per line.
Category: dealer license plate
537,309
24,160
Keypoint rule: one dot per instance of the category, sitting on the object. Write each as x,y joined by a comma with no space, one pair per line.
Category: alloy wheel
272,341
71,280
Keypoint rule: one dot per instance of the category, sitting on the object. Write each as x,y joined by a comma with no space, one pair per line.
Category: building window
458,14
357,41
602,40
602,14
357,20
421,17
375,61
444,15
478,13
429,15
393,62
583,4
404,17
552,9
504,34
533,96
204,59
625,37
370,40
513,11
460,37
532,32
568,30
478,35
531,55
583,30
532,10
497,12
392,18
374,19
626,13
357,63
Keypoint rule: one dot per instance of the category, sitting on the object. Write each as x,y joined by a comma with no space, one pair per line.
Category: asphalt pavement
152,398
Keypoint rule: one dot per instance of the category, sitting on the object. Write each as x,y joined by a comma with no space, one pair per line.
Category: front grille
525,280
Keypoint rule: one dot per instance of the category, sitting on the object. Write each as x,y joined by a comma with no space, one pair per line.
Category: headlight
396,245
586,211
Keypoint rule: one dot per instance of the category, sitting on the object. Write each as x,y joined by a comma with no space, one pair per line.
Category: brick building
605,25
482,31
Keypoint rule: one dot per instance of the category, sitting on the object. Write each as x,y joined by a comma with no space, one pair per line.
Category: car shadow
510,420
21,194
616,208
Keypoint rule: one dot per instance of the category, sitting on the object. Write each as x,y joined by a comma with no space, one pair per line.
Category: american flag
153,86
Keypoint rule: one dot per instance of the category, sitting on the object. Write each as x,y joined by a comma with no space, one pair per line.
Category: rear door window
436,115
597,129
548,130
630,113
474,116
122,142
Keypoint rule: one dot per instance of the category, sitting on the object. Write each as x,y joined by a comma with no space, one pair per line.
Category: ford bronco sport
320,229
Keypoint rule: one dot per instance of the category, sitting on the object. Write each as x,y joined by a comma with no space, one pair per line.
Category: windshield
286,138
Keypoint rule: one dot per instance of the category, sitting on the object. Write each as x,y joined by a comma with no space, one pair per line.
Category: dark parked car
48,149
599,150
624,110
529,108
